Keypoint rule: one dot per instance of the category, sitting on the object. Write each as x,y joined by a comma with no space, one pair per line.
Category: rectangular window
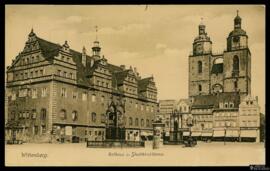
75,95
84,96
93,98
63,92
59,72
71,75
34,93
65,74
43,127
41,72
31,74
102,99
26,75
13,96
36,73
44,92
23,93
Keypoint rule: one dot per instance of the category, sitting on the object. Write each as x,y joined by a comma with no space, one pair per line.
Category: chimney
84,56
131,68
123,67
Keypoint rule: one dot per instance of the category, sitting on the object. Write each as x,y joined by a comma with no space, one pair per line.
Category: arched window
136,122
235,63
200,87
142,122
147,123
63,114
130,121
74,115
43,114
94,117
199,66
103,118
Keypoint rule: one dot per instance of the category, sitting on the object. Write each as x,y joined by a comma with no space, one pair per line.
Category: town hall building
56,93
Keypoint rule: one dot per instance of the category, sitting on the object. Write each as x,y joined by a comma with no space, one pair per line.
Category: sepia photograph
135,85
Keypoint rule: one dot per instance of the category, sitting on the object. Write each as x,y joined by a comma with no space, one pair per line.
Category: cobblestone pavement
204,154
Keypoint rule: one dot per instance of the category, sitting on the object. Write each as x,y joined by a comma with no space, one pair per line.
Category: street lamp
227,124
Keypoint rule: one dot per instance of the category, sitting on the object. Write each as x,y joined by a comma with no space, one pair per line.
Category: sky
157,40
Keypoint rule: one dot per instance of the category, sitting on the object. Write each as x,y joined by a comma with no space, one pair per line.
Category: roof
238,32
187,101
217,68
143,83
120,76
49,50
213,100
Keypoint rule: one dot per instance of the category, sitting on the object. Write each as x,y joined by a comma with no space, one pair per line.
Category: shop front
218,135
232,135
249,135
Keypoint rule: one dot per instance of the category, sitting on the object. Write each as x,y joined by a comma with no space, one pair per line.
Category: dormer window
226,105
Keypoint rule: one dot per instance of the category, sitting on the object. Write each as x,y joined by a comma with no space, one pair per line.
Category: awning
196,134
248,133
219,133
146,133
207,134
185,133
232,133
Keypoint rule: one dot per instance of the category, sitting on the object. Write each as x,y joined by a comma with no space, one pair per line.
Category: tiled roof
49,50
120,76
143,83
213,100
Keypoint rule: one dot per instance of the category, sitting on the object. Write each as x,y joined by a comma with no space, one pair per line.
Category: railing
114,143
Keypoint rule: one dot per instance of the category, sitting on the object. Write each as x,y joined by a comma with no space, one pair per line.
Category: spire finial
96,27
201,20
237,11
32,30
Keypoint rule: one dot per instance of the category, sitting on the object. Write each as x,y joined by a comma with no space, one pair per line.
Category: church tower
200,64
237,61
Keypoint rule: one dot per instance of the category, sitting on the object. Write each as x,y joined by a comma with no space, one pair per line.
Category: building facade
54,90
166,109
249,119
